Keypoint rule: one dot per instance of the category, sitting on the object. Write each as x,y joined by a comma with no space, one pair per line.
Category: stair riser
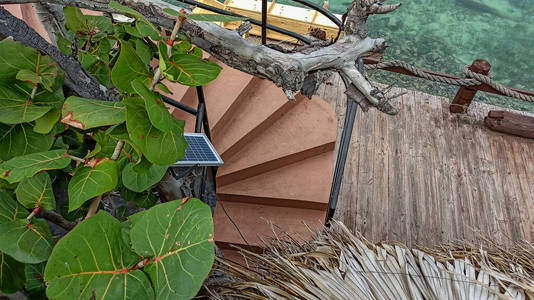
258,130
248,90
294,203
273,164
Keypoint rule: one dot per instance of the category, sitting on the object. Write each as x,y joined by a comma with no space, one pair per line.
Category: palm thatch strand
338,264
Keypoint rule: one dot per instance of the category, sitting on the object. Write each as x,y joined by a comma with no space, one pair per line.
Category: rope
475,78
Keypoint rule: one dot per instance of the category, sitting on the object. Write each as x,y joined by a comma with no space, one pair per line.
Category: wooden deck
427,177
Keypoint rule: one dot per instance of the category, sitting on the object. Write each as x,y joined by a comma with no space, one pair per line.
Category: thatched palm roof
338,264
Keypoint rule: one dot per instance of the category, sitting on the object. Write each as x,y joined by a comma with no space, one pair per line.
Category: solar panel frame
193,140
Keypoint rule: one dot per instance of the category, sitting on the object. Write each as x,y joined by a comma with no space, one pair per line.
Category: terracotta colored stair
278,156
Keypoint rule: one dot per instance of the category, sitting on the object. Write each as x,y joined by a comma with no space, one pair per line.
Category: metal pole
263,22
346,134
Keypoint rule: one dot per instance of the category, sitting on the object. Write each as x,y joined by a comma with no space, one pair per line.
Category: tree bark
286,70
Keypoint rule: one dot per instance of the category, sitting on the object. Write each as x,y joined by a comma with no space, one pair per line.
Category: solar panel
200,152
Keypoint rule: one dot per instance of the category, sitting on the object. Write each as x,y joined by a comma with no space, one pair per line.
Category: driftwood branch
286,70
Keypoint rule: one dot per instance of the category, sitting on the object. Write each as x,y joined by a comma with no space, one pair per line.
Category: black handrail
297,36
322,10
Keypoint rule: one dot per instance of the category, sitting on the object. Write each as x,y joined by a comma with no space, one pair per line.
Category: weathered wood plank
511,123
427,176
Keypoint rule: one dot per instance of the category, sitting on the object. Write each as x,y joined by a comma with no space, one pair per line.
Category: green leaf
163,88
190,70
45,123
16,108
11,274
137,181
161,148
20,167
75,20
21,139
86,113
145,199
89,182
35,285
204,17
36,191
101,22
143,51
178,239
158,113
128,68
26,242
14,57
46,80
93,261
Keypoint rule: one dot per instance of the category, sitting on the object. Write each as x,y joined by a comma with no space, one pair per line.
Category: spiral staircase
278,157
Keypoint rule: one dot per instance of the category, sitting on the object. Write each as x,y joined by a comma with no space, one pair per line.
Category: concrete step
308,129
257,108
254,221
218,94
304,184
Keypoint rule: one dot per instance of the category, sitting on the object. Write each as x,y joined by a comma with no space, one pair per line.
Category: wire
232,221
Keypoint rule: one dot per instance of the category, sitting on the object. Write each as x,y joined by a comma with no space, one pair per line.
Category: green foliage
36,191
52,146
204,17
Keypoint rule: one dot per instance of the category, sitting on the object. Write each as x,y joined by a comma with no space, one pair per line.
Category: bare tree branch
286,70
52,18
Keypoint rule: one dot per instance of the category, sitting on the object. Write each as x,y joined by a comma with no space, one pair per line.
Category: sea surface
447,35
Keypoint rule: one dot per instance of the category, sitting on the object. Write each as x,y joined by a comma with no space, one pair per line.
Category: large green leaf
87,113
45,123
93,262
89,182
11,274
36,191
143,26
178,239
17,108
204,17
157,111
21,139
15,57
161,148
128,68
20,167
139,181
75,20
27,242
190,70
35,284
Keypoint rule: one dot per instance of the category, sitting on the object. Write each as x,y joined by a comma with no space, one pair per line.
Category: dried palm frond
338,264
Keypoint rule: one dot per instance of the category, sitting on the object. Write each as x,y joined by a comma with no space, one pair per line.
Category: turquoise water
446,35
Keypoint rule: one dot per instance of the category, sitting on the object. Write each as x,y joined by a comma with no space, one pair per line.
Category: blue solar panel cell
199,152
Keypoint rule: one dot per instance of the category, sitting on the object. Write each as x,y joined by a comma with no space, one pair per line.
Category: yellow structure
295,19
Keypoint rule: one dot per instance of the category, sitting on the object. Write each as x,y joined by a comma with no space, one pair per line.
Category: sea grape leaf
87,113
89,182
17,108
75,20
143,26
177,237
161,148
190,70
157,112
128,68
35,284
36,191
44,124
20,167
204,17
11,274
144,199
138,181
15,57
21,139
93,261
45,79
101,22
27,242
143,50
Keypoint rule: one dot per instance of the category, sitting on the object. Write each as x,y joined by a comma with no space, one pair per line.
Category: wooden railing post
465,95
